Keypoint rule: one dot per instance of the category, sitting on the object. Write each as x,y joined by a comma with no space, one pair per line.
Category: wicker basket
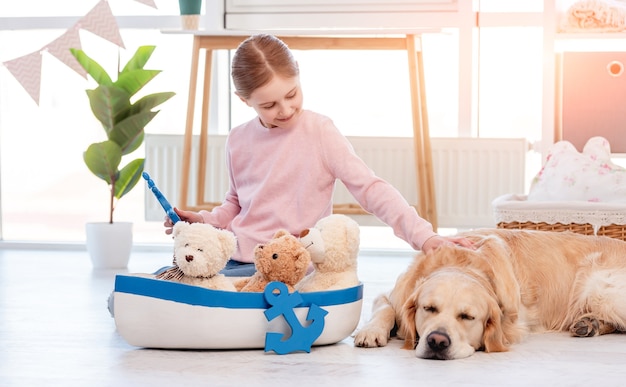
605,219
614,230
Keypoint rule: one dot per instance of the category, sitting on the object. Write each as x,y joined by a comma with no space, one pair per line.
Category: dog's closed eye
430,309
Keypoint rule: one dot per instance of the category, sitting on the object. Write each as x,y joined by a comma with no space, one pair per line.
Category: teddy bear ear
281,233
179,227
228,242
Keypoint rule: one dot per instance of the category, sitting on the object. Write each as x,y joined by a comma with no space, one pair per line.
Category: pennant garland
60,49
27,70
99,21
149,3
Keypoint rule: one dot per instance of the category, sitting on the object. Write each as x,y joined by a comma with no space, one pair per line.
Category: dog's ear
407,328
494,338
494,261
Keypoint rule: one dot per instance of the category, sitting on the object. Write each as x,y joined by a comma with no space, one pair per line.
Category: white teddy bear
334,248
200,253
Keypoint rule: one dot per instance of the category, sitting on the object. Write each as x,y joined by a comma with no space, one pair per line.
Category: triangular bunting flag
149,3
60,48
100,21
27,70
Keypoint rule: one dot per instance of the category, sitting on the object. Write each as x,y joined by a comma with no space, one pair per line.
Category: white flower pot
109,244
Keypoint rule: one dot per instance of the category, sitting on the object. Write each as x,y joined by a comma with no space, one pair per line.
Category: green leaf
150,101
128,177
109,104
139,59
134,80
129,133
103,159
92,67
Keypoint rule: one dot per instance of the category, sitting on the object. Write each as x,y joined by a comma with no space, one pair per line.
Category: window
48,194
366,93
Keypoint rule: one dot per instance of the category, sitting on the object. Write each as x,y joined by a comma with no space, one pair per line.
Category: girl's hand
185,216
435,241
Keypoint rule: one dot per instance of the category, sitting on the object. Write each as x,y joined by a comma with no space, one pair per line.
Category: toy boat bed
156,313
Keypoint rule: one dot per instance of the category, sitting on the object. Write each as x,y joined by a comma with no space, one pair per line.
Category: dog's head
461,303
452,315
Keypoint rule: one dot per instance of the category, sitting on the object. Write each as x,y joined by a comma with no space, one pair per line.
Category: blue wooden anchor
283,303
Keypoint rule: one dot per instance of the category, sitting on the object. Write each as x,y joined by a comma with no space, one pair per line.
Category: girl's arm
373,193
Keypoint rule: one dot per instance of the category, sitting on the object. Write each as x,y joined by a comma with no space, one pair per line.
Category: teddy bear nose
188,258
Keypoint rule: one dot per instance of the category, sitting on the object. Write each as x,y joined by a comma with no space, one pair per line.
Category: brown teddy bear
283,258
200,253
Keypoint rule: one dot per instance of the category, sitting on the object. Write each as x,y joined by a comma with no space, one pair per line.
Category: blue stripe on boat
195,295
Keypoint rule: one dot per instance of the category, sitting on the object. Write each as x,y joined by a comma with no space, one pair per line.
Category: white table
208,41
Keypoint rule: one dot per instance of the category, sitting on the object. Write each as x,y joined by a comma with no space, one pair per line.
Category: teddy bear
200,253
334,247
283,258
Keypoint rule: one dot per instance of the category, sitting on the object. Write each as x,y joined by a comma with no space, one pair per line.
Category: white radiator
469,173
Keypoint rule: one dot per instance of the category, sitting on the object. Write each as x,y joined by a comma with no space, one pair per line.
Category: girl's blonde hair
257,60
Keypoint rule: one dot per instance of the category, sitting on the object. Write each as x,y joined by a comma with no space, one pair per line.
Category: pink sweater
284,178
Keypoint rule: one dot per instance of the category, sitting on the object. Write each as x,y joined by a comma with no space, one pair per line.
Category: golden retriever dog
454,301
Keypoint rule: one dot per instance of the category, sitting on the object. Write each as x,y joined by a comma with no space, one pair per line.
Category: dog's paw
585,327
371,338
589,326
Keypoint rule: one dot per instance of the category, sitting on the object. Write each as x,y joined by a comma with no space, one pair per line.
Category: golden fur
454,301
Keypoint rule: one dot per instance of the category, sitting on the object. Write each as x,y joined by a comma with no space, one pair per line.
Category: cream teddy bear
334,247
200,253
283,258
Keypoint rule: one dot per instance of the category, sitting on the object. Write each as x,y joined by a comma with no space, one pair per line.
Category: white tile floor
55,330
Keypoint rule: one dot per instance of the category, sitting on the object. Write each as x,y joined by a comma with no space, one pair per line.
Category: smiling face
451,313
278,103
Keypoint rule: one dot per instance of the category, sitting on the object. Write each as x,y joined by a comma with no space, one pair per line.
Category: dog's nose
188,258
438,341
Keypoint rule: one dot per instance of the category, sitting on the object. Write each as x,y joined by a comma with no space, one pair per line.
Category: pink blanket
590,176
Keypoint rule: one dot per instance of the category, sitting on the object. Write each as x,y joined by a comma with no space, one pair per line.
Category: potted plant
190,13
123,122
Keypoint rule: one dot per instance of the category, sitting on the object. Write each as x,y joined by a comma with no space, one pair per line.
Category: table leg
423,153
204,129
187,145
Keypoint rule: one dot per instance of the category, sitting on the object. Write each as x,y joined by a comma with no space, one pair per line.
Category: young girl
283,164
